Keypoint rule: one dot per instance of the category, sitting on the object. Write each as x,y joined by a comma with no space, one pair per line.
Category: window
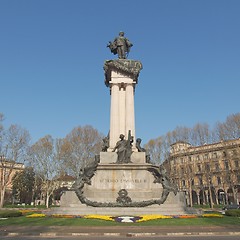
236,164
217,168
206,156
192,182
200,181
214,155
229,179
207,167
190,159
183,183
226,165
190,168
198,158
181,160
199,168
219,181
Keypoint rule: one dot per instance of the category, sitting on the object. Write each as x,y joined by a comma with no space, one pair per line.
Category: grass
48,221
219,206
25,206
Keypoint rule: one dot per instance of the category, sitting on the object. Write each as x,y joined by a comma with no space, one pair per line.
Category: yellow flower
152,217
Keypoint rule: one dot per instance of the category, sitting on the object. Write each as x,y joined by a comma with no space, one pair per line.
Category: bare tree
78,148
14,143
47,167
201,134
180,134
156,148
230,129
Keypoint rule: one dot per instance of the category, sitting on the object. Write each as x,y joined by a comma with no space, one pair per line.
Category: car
233,206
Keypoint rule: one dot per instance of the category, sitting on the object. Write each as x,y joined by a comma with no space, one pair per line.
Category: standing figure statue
120,46
124,149
121,147
129,147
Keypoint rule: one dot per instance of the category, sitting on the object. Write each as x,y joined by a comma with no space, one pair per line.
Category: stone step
85,210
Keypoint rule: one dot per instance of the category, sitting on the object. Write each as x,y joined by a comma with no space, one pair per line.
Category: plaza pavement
52,231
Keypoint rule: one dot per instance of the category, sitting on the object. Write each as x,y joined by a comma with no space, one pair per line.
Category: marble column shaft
122,117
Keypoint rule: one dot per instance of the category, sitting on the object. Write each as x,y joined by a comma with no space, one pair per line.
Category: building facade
208,174
7,170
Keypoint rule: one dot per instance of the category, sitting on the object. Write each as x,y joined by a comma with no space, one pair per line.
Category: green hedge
233,213
10,213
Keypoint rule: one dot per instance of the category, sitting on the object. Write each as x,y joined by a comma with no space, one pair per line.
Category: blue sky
52,54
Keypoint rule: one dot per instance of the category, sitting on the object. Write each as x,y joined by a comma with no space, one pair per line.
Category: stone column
198,198
114,126
122,110
121,78
130,114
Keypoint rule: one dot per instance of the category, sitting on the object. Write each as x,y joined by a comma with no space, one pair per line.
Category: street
123,237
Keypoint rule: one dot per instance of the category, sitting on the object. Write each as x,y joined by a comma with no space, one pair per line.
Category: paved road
124,238
120,232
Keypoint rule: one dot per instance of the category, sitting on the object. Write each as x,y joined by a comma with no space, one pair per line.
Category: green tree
23,185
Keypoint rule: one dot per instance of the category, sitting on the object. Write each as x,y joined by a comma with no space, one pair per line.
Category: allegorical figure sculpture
138,145
124,149
161,176
141,149
120,46
105,144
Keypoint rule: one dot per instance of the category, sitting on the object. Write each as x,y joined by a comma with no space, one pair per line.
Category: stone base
70,204
109,179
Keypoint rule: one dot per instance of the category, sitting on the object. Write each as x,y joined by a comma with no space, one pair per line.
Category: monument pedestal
70,204
111,178
122,182
135,178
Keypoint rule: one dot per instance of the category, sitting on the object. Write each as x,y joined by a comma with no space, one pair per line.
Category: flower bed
144,218
126,219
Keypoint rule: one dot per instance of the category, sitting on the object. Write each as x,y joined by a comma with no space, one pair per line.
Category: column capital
125,67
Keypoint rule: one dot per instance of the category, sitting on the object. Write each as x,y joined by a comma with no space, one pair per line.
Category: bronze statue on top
120,46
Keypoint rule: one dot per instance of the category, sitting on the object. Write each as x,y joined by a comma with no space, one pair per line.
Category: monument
122,179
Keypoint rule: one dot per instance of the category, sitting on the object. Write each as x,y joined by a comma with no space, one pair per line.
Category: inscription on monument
105,180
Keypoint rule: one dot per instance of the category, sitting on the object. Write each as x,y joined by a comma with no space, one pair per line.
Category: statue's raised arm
120,46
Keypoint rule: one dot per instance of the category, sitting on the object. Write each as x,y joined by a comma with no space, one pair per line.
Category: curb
117,234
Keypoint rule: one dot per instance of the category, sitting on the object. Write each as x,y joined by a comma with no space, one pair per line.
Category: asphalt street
202,237
120,232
